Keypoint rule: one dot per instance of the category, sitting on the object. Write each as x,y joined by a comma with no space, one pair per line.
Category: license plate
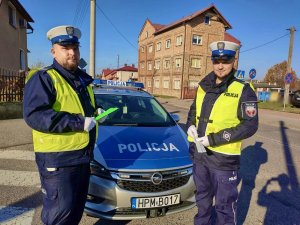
154,202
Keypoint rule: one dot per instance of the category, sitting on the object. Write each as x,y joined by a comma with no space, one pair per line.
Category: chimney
133,65
125,64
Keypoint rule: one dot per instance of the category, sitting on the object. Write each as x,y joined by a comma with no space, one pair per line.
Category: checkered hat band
64,38
224,52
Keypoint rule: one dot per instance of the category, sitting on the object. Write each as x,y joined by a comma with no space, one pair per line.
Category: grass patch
278,106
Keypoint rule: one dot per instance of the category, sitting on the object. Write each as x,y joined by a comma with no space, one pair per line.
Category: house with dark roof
123,73
14,25
173,58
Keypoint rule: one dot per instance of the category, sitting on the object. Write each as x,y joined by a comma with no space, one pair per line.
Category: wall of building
12,39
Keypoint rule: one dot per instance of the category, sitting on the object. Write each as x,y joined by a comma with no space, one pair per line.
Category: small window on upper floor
179,40
22,60
142,49
146,34
197,39
158,46
150,48
207,20
168,43
12,15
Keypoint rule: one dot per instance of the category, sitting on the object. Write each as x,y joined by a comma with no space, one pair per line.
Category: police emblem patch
250,109
221,46
226,135
70,31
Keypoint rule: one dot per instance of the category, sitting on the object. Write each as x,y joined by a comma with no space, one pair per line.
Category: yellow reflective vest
222,116
67,100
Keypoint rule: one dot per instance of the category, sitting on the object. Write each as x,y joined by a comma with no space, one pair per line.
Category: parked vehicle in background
295,99
141,165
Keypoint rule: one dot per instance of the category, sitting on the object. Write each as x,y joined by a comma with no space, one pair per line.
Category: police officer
59,106
223,113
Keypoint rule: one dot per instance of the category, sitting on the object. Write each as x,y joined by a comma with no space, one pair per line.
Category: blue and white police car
141,166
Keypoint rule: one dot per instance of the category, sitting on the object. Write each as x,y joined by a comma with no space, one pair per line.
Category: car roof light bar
99,82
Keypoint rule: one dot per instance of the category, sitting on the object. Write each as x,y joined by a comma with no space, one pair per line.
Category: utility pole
289,65
92,38
118,61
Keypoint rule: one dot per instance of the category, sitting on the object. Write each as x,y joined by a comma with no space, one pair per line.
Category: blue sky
254,23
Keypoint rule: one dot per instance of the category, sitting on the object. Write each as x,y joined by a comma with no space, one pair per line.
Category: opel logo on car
156,178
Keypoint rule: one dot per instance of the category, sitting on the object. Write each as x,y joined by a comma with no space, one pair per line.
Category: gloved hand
89,123
204,141
192,131
99,111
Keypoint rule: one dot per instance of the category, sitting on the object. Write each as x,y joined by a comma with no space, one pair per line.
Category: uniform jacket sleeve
248,116
39,96
191,119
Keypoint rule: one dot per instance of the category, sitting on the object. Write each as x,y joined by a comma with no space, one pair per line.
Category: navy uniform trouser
220,184
64,194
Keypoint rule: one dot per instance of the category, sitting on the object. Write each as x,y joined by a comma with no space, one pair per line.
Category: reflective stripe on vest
227,104
67,100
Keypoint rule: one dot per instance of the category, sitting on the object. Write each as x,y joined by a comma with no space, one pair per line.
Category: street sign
252,73
240,74
288,78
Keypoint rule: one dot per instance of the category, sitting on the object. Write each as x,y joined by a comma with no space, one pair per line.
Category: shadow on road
252,158
112,222
20,207
281,195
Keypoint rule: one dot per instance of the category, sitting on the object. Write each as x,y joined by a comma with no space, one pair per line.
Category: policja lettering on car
148,147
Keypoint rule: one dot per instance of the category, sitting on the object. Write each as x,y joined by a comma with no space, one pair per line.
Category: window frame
198,37
168,43
12,15
180,38
196,66
158,46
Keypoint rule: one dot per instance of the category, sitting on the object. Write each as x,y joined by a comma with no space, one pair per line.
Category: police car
141,166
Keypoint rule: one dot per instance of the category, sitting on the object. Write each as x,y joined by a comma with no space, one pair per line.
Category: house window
157,64
177,84
207,20
142,49
178,62
179,40
193,84
150,48
149,83
168,43
149,66
146,34
195,63
197,40
166,84
142,65
167,64
12,15
158,46
156,83
22,60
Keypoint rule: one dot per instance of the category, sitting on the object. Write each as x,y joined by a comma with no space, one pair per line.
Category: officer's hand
89,123
98,112
192,131
204,141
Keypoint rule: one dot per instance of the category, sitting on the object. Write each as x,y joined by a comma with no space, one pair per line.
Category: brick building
14,27
174,58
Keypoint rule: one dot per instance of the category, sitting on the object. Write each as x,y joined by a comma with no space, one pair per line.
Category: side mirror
175,117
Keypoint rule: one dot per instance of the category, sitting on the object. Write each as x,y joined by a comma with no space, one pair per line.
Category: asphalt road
269,188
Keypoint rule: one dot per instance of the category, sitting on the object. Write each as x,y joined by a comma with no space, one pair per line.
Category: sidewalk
268,117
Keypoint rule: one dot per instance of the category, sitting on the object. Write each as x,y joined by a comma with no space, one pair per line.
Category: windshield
133,111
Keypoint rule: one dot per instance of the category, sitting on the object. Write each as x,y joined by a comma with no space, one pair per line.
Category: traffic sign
288,78
240,74
252,73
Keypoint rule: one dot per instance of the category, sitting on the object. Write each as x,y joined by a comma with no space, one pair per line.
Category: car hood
141,148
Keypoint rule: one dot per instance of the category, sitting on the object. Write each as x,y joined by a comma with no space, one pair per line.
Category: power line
259,46
115,27
80,13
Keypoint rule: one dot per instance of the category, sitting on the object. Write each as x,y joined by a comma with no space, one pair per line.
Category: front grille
141,182
148,186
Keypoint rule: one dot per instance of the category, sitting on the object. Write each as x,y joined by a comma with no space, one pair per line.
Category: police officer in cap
59,106
224,112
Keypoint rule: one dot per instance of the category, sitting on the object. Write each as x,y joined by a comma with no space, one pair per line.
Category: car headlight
100,171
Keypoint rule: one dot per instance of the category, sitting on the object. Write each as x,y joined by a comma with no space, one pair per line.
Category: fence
11,85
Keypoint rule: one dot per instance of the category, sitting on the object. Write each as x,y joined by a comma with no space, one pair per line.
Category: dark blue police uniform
65,189
215,174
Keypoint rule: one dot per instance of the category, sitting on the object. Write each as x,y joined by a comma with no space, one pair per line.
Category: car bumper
107,200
